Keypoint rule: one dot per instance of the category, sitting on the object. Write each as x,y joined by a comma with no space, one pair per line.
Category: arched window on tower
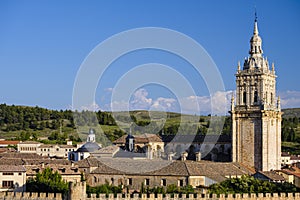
255,97
271,98
244,97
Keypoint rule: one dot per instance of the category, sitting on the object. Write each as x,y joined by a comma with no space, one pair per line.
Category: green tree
248,184
47,181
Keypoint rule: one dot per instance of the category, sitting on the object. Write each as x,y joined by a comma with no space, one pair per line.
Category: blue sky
43,43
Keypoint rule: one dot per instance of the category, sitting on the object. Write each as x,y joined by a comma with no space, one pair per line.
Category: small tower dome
91,136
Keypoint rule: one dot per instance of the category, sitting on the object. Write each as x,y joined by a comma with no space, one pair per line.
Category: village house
12,178
33,163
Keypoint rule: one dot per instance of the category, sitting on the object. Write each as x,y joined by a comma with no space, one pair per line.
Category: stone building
132,173
149,145
12,178
256,115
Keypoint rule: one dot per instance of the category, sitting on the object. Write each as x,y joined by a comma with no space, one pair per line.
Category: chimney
43,165
184,155
198,156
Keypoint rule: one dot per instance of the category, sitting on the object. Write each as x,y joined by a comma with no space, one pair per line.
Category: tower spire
255,42
255,31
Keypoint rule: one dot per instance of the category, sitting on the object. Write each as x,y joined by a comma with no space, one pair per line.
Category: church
256,112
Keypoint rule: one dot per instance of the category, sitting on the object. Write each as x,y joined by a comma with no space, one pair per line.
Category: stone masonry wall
260,196
51,196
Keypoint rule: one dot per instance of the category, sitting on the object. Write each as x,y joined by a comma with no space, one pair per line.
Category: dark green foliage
170,189
227,126
47,181
27,123
104,189
14,118
248,184
289,126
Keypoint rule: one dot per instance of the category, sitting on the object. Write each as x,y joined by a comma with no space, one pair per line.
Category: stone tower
256,115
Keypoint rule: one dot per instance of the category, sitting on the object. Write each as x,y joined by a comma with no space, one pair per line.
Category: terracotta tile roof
11,161
285,172
61,169
213,170
7,150
285,154
30,142
88,162
9,142
21,155
294,157
25,161
176,168
132,166
109,149
12,168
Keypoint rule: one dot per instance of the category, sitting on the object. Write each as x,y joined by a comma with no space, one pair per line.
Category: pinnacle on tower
255,42
255,31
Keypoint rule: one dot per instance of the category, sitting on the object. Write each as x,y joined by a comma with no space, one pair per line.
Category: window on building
244,97
57,149
95,179
180,183
66,149
8,173
147,181
271,97
163,182
20,173
255,97
7,184
129,181
112,181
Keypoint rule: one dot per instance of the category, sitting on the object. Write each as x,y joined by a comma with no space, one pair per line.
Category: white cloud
140,100
218,103
164,104
290,99
92,107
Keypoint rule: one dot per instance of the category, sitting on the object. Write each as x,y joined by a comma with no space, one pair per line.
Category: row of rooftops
146,138
217,171
120,166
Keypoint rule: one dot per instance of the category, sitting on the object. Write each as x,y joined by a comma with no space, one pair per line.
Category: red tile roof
9,142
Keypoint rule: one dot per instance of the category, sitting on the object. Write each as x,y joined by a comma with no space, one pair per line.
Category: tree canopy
47,181
249,184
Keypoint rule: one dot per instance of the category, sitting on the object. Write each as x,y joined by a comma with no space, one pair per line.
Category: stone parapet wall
30,195
267,196
58,196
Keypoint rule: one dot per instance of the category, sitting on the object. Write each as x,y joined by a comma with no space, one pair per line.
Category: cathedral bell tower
256,115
